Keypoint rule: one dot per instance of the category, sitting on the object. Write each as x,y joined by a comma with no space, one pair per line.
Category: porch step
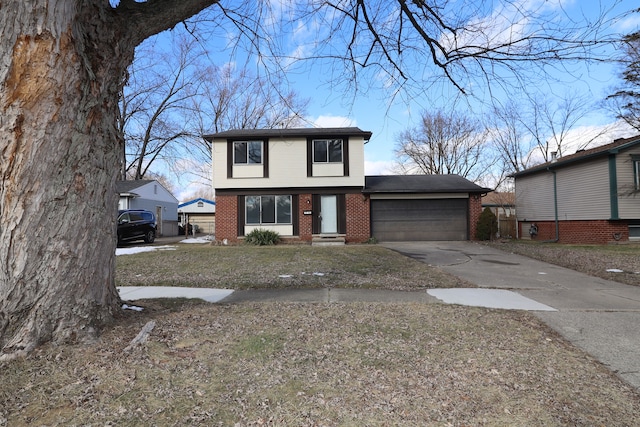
328,241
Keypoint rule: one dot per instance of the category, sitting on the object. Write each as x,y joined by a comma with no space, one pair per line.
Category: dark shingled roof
420,184
293,132
584,155
127,186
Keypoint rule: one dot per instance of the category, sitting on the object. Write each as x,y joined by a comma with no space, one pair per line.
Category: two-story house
309,184
298,182
592,196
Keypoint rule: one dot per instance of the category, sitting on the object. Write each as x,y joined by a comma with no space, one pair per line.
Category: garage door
421,219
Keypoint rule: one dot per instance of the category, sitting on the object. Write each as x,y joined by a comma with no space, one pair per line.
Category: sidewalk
491,298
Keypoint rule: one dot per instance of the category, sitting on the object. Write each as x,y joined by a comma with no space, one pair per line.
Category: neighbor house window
636,171
268,209
327,151
247,152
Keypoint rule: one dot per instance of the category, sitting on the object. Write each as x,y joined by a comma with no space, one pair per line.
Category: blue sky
374,112
377,110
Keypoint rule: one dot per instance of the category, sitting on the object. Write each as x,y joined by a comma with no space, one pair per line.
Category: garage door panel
423,219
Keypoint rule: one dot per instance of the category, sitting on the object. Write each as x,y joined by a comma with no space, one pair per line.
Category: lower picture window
268,209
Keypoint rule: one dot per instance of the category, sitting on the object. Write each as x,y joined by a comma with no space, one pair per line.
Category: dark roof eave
290,133
479,190
577,159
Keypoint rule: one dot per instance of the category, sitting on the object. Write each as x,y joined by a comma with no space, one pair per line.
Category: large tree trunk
60,159
62,65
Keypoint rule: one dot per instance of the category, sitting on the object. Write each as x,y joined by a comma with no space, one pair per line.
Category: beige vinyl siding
281,229
628,197
583,191
248,171
219,163
328,169
288,167
534,197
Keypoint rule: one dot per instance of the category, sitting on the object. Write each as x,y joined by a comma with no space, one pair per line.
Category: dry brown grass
594,260
291,364
294,364
260,267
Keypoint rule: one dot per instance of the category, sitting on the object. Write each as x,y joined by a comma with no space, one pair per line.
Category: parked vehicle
136,225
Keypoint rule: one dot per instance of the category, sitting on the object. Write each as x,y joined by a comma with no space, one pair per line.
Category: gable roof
420,184
199,199
583,155
291,133
128,186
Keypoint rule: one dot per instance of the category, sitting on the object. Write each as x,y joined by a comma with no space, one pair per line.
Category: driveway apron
599,316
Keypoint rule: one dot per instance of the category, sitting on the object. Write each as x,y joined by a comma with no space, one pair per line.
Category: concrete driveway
600,316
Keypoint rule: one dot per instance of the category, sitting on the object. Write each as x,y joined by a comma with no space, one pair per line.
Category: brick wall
358,228
358,218
227,218
305,223
475,209
586,232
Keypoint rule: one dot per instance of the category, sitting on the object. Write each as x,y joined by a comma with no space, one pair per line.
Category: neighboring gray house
200,213
152,196
592,196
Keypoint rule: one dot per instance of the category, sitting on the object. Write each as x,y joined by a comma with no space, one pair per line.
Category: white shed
200,213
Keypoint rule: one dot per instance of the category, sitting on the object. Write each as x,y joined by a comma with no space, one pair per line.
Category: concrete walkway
600,316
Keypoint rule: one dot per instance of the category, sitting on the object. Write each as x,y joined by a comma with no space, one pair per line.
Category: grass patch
293,266
260,346
290,364
594,260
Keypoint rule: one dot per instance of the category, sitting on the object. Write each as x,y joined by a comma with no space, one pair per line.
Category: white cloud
380,167
629,24
329,121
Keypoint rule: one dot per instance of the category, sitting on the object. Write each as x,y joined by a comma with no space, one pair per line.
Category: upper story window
247,152
327,151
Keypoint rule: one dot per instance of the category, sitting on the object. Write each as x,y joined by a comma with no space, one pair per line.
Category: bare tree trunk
59,165
62,67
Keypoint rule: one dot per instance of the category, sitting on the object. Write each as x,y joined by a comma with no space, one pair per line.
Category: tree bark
62,68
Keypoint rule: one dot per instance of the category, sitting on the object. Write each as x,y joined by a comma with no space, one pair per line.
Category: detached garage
423,207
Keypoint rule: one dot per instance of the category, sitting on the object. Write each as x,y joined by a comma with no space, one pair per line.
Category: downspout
555,206
613,188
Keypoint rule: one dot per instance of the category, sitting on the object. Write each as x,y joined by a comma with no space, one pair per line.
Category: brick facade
227,218
579,232
358,218
475,209
305,222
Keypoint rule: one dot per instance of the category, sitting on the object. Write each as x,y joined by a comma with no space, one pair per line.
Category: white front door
328,214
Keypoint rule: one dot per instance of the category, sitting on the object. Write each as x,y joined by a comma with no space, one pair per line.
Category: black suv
136,225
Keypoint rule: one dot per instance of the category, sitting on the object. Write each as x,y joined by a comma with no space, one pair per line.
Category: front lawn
282,266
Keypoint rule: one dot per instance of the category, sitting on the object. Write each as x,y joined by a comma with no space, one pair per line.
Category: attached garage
422,207
419,219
